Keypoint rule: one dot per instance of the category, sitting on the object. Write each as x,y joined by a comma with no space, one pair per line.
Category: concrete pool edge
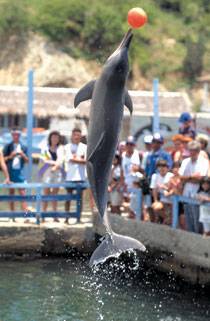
187,255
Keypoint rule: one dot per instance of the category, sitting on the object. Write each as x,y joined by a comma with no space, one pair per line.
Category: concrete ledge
186,254
48,238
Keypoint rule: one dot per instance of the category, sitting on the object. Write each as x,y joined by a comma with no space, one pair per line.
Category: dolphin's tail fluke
113,245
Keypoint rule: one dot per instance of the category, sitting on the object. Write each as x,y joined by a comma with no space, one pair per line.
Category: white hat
148,139
131,140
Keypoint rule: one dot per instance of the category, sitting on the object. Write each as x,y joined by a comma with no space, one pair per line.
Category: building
53,107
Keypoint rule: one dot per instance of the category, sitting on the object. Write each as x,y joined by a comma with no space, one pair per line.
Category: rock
53,68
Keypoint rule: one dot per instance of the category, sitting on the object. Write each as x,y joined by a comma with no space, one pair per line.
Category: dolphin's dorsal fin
128,102
85,93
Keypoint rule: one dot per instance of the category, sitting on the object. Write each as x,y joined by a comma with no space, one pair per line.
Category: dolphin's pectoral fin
97,146
128,102
84,93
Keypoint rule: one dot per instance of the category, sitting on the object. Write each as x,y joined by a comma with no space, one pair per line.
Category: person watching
186,127
75,161
157,153
192,170
15,156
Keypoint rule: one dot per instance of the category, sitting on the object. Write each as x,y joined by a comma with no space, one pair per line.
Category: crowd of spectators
160,173
156,171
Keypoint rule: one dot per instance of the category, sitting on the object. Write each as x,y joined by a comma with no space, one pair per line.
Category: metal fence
34,194
174,200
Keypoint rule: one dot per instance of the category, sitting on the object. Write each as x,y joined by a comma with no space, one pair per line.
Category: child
204,196
134,210
175,187
115,190
158,185
135,178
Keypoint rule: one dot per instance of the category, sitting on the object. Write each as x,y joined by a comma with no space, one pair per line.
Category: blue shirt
153,158
188,131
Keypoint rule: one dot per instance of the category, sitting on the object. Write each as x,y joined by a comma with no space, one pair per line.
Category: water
66,290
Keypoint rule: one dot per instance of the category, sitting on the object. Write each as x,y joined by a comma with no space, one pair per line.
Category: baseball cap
131,140
157,137
148,139
184,117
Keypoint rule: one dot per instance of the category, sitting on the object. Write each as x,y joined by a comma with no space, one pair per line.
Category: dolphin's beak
125,43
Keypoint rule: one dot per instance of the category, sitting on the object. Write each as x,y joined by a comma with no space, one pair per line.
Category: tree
193,62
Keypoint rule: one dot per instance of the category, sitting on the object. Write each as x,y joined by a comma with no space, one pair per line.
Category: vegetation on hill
174,45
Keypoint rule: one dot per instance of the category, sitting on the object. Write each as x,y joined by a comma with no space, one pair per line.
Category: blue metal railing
77,188
38,198
175,200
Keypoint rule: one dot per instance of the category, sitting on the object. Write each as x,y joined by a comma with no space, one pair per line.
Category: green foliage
13,17
193,63
174,45
58,19
99,20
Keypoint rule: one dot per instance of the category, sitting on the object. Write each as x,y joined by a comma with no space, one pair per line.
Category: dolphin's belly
103,133
104,129
105,117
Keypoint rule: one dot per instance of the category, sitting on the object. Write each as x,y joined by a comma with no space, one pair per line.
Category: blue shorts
16,176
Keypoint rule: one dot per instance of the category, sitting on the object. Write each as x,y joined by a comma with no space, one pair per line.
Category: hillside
53,68
67,41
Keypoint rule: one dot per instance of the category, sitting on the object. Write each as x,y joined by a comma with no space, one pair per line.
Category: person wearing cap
180,150
157,153
192,170
15,156
147,151
186,126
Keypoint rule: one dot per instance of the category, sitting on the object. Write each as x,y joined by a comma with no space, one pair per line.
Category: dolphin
108,96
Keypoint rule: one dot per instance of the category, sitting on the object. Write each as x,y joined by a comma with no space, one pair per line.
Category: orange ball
137,17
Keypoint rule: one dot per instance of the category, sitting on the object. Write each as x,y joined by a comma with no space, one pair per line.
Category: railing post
156,120
175,211
139,204
79,202
38,203
30,125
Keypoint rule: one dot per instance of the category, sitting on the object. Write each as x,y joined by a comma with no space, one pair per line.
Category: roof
58,102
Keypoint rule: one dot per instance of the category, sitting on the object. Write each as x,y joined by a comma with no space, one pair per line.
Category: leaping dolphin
109,95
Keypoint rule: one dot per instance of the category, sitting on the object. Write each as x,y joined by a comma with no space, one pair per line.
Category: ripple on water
59,290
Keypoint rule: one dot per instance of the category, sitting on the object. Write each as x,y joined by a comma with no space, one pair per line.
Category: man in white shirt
192,170
75,161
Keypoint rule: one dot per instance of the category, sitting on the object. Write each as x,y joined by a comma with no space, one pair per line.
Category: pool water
67,290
